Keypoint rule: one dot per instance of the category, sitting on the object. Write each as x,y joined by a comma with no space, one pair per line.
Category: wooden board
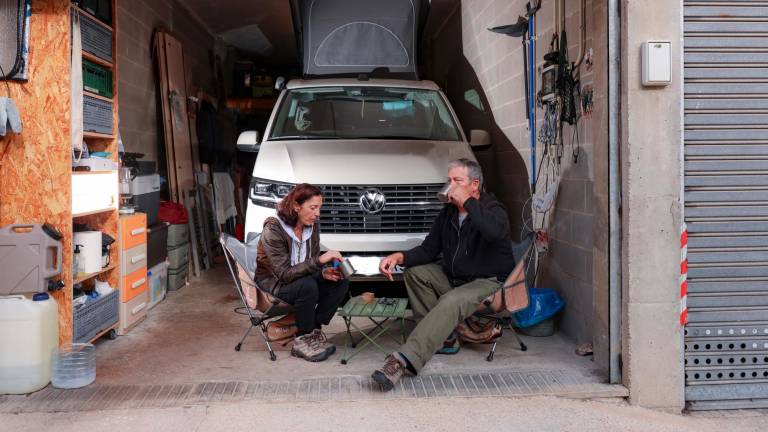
192,113
162,70
175,120
35,182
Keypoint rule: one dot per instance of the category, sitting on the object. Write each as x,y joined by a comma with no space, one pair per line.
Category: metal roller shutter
726,203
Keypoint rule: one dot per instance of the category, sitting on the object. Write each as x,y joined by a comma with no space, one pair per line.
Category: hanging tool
525,27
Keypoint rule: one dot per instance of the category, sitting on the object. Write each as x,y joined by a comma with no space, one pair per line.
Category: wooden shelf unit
94,59
96,135
92,172
85,277
94,212
105,220
97,96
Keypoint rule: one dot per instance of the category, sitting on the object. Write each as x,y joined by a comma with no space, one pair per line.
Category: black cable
241,310
7,86
575,151
18,58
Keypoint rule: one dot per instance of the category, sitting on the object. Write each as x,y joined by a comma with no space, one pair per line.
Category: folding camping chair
511,297
261,307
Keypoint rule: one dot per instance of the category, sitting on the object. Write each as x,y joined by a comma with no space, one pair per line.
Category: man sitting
472,236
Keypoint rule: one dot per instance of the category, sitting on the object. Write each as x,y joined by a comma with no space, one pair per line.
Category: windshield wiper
402,137
304,137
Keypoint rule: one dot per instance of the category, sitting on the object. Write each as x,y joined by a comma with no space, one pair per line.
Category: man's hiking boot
389,374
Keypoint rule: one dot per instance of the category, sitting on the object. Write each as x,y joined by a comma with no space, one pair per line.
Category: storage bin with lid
146,195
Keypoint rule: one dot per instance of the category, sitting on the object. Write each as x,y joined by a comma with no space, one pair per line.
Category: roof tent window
350,37
341,47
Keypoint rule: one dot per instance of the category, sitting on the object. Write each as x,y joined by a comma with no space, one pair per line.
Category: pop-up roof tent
351,37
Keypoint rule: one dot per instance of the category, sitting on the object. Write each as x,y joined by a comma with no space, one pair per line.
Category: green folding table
383,316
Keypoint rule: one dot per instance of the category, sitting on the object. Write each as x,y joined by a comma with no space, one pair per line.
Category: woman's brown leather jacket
273,259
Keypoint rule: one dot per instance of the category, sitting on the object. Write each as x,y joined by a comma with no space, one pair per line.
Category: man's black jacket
480,248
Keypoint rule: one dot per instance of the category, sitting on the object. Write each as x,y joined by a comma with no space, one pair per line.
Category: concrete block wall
569,266
137,21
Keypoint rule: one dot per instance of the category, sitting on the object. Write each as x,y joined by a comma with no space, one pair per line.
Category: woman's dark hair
299,194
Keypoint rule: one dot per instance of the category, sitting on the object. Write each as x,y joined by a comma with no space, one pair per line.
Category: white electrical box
657,63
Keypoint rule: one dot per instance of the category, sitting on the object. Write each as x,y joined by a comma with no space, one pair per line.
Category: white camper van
378,148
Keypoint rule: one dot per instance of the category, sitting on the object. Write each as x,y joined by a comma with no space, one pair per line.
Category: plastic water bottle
74,366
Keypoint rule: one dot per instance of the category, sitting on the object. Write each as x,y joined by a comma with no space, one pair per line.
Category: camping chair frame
487,311
257,318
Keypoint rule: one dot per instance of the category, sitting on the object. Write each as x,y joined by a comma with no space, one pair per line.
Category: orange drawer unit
133,271
133,284
133,312
133,230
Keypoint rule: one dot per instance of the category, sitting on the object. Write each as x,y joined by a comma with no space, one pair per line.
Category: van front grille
408,209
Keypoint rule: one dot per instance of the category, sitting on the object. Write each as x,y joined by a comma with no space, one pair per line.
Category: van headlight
268,193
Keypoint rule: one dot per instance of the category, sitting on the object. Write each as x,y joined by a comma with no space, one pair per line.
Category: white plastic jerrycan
29,332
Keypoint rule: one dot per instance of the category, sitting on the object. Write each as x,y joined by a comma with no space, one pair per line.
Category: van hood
358,162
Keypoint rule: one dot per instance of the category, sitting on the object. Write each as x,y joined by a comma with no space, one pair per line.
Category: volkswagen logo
372,201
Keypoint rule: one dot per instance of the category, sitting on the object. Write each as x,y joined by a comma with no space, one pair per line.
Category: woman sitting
291,267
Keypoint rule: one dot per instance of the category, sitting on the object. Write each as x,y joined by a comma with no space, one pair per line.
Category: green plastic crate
97,79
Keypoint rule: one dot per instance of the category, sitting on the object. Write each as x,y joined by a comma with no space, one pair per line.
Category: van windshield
364,112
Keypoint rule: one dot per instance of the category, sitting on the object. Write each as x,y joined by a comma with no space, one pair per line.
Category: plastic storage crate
97,79
178,234
157,277
97,39
177,278
94,317
97,115
157,244
178,256
101,9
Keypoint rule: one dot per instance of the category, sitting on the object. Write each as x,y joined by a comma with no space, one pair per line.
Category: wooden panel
177,86
176,123
192,113
166,111
34,175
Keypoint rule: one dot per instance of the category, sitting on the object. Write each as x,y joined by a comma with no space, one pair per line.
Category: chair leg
490,354
263,330
240,344
523,347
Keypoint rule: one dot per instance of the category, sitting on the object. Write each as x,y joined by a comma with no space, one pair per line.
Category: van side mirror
479,138
248,141
280,83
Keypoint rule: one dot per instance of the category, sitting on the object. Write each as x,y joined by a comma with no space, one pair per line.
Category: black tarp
350,37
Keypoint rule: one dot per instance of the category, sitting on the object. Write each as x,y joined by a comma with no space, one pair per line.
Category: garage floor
183,353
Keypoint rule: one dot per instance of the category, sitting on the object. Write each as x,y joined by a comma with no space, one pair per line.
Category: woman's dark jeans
314,299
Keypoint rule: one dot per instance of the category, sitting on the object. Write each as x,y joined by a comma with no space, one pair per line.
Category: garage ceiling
264,27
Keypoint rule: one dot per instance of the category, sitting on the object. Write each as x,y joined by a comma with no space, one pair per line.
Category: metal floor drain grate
333,388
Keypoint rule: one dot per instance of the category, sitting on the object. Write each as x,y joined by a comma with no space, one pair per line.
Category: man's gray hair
474,172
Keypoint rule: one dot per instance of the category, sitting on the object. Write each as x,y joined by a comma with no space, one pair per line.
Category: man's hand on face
459,194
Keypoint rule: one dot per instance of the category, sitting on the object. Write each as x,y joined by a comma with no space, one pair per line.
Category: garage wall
497,61
137,21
